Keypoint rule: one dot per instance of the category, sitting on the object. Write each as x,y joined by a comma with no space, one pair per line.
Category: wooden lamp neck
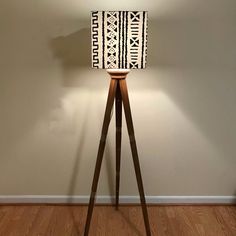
118,73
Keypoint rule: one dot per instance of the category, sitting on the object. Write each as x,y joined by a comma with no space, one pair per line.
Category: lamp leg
118,141
106,121
129,121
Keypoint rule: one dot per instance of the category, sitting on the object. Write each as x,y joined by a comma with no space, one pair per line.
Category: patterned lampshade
119,39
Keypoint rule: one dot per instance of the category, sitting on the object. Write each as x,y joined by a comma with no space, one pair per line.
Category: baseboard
65,199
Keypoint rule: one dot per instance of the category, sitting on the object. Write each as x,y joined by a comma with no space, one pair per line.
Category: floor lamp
119,43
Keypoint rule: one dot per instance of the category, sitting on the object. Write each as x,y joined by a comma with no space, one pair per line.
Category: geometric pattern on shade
119,39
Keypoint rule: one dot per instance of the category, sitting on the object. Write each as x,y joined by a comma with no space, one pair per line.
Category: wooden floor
165,220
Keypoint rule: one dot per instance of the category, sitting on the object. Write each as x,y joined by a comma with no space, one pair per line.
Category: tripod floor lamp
119,43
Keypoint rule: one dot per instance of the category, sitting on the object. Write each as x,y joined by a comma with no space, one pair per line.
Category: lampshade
119,39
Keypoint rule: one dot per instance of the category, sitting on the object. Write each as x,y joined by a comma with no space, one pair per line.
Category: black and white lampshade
119,39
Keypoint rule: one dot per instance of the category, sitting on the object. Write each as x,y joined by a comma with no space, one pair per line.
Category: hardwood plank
163,223
225,217
128,221
61,222
23,221
78,216
10,221
7,214
41,222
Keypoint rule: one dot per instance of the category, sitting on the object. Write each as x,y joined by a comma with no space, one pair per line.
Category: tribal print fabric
119,39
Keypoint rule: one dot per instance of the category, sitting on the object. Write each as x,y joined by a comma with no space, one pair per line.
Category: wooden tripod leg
118,141
125,100
106,121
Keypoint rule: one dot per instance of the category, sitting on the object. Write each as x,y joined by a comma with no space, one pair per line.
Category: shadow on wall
73,51
234,201
79,151
109,164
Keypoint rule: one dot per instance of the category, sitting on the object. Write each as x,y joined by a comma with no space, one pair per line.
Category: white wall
52,103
